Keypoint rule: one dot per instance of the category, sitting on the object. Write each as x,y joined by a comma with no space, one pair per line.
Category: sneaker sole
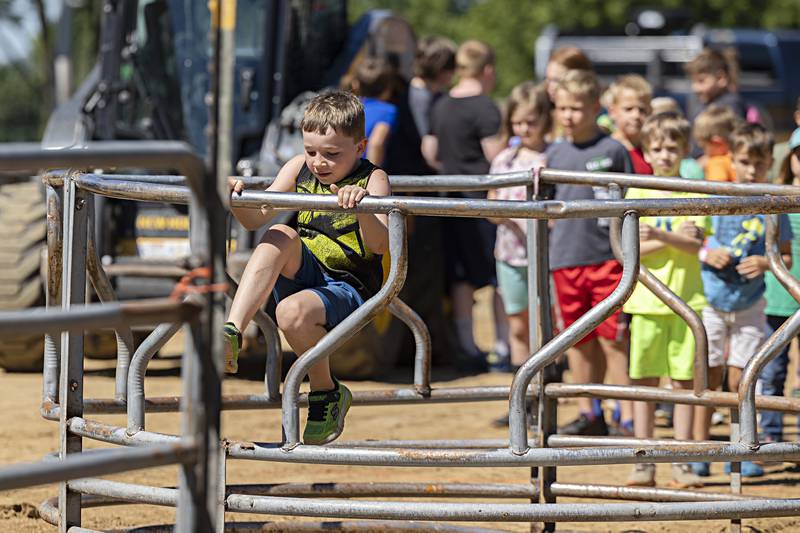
678,485
339,427
634,484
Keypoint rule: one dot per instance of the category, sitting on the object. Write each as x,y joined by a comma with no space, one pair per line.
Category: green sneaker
326,411
233,338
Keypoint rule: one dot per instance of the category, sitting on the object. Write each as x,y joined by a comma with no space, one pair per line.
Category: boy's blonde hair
665,104
472,57
752,138
530,96
715,121
631,82
580,83
341,111
668,125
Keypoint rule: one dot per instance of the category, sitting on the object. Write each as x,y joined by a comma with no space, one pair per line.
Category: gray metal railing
546,450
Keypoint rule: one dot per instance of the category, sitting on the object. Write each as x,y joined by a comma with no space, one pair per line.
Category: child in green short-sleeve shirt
661,343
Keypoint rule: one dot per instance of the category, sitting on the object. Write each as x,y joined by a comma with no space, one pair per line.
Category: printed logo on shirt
601,162
753,231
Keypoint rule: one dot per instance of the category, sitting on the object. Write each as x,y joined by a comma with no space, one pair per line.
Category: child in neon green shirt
661,343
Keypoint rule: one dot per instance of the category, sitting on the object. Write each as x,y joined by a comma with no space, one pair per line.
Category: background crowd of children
716,264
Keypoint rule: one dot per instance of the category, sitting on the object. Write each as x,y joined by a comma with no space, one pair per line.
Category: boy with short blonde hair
712,131
628,103
734,263
584,269
325,269
662,345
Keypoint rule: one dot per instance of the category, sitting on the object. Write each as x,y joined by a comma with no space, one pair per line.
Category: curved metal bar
551,175
518,432
678,306
272,374
422,344
772,347
398,248
155,155
548,209
144,353
52,348
776,264
438,182
511,512
105,292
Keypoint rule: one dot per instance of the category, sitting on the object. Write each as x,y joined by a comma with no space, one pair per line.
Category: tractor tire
22,243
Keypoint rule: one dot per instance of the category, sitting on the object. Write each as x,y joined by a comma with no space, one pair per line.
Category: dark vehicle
768,78
151,82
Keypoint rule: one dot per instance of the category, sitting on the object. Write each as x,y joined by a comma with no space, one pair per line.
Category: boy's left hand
349,195
752,266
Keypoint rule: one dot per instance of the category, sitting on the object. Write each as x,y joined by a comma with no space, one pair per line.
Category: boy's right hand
718,258
235,185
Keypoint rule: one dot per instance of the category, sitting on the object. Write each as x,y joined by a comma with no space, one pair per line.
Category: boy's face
751,167
708,86
629,113
577,115
665,155
331,156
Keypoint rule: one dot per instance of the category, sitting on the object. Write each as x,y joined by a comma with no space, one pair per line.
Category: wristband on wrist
702,254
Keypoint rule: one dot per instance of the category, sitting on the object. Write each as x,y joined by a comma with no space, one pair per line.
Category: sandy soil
25,436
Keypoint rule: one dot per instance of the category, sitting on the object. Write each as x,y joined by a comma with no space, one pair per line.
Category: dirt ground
25,436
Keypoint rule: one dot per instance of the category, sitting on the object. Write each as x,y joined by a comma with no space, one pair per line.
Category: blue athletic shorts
339,297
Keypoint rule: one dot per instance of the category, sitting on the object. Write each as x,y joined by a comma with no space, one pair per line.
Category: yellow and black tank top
335,238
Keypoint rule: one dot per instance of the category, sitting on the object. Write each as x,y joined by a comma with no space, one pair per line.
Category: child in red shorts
583,267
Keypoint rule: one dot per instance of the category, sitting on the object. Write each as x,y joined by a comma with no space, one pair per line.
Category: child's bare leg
520,349
702,415
684,414
586,365
301,317
617,367
734,376
279,252
463,295
644,412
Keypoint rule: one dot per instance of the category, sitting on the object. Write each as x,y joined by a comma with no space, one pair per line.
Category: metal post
736,470
71,380
539,299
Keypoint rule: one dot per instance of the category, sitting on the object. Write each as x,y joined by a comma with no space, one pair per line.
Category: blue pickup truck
769,61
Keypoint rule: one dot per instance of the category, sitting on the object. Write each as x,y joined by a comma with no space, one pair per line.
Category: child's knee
293,314
280,235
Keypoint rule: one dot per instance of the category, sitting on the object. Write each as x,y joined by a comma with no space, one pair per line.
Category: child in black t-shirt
464,124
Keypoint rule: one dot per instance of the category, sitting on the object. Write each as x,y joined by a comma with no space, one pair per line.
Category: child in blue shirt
373,84
733,270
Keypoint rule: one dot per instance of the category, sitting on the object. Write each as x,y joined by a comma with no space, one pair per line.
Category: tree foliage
512,26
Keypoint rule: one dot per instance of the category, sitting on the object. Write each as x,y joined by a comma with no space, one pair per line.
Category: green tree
512,26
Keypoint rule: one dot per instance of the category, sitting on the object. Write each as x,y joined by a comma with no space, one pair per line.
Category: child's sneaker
683,477
642,475
233,344
326,411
